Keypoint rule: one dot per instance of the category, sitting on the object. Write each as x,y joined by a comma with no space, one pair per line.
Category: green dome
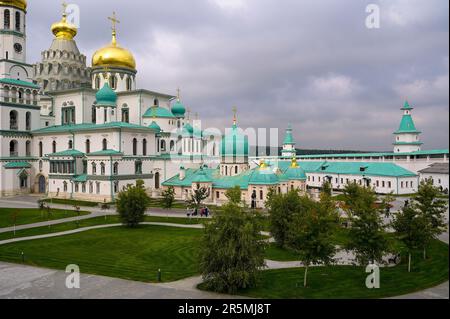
158,112
263,176
106,97
234,144
188,130
295,173
178,109
155,126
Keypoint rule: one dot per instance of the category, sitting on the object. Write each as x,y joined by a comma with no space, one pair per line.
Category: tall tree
232,250
367,235
131,204
282,208
310,235
432,208
168,197
411,228
234,195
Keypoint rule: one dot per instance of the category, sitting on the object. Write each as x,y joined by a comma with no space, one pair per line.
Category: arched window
134,146
54,147
13,120
116,169
125,115
94,169
236,170
129,84
102,168
155,102
28,148
116,186
65,186
172,146
28,121
144,147
88,146
41,149
226,170
17,21
7,19
70,144
94,114
113,82
163,145
138,167
97,82
13,148
105,144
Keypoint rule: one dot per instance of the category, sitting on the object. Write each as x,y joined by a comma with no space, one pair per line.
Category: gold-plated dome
63,29
113,55
20,4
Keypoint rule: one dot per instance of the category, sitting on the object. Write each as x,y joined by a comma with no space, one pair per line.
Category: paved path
25,282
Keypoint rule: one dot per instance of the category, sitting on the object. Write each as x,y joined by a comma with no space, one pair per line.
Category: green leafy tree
168,197
197,197
411,228
310,235
282,208
367,235
131,205
432,208
232,250
326,197
234,195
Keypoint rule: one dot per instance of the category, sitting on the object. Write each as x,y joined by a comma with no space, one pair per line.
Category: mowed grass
134,254
95,221
338,282
31,215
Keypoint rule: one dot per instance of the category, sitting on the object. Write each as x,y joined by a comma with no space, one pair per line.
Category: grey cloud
266,56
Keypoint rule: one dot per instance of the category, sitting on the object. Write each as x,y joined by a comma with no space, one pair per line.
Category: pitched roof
407,125
73,153
106,153
436,168
17,165
90,127
19,82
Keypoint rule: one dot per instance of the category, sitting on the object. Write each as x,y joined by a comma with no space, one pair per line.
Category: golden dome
63,29
113,55
20,4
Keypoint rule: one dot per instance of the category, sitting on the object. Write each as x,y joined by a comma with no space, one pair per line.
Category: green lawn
94,222
134,254
349,282
31,215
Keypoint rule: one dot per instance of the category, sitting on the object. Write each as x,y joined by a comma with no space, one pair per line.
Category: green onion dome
106,97
178,109
234,144
188,130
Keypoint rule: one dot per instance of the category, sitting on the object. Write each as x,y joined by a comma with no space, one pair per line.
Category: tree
432,208
326,197
197,197
168,197
282,208
131,204
367,235
232,250
234,195
310,235
411,228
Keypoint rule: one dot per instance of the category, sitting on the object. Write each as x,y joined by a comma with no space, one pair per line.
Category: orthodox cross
114,21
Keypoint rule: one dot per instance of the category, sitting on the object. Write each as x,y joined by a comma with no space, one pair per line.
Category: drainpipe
110,178
140,108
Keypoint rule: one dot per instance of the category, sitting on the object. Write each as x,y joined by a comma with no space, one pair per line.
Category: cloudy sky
311,63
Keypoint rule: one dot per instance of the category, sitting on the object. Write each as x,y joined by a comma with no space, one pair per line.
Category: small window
105,144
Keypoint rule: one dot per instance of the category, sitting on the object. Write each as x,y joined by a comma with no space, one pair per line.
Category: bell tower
13,40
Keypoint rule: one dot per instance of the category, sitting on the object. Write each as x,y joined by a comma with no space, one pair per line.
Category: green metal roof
178,109
73,153
158,112
106,97
263,176
19,82
406,106
407,143
106,153
362,155
80,178
12,165
154,126
90,127
407,125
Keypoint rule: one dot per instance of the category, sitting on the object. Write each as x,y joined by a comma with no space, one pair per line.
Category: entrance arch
157,182
42,184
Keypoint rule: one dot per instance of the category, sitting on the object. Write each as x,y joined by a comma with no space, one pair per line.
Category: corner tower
407,136
289,144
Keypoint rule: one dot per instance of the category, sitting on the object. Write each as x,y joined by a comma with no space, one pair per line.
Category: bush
131,205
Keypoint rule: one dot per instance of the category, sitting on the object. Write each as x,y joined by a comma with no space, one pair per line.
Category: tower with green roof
407,136
106,102
288,144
